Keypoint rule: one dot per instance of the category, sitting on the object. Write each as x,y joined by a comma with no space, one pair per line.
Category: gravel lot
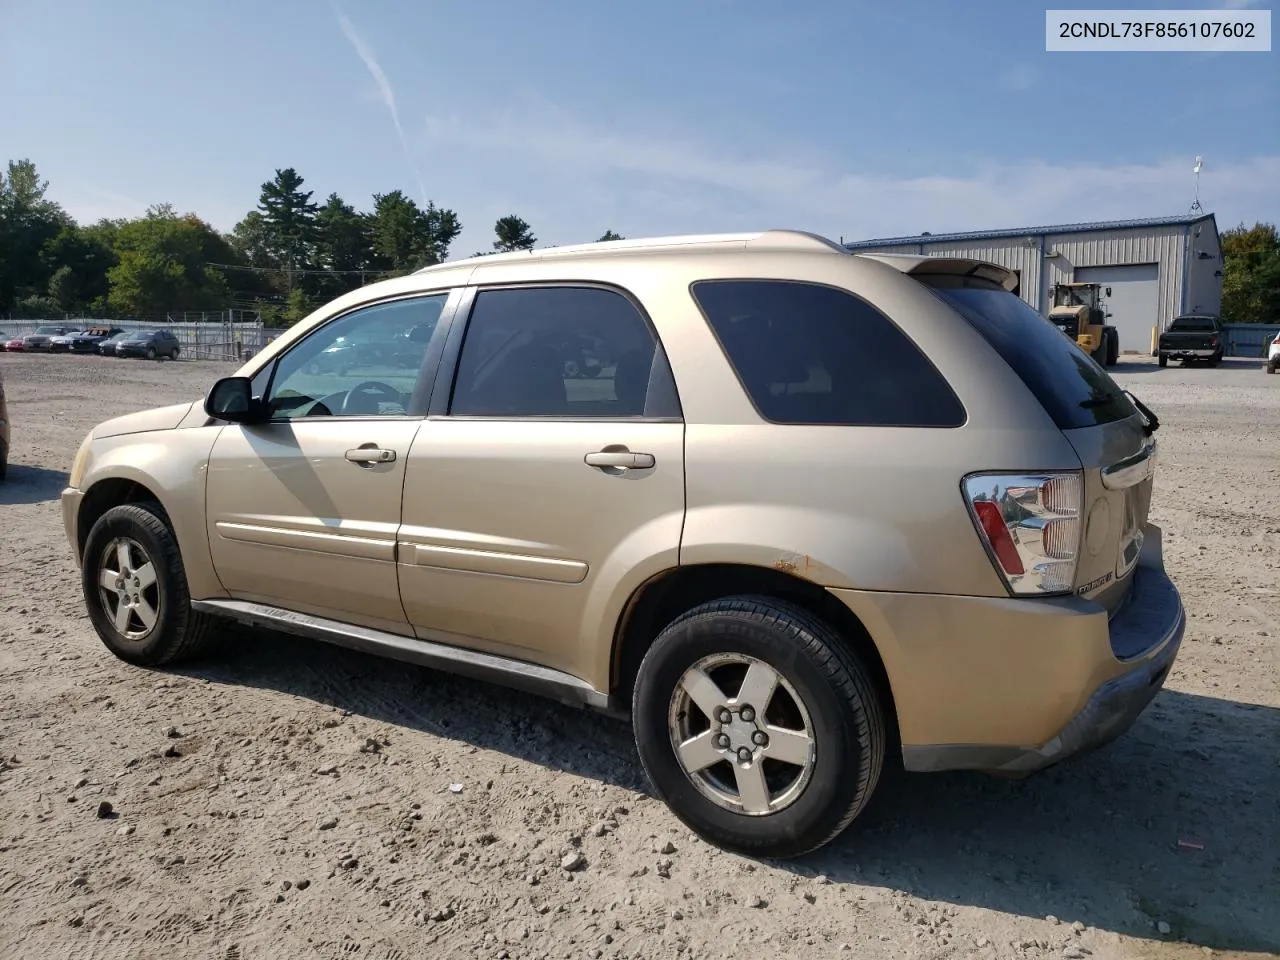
287,799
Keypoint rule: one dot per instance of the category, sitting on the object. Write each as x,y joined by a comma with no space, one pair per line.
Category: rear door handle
370,454
624,459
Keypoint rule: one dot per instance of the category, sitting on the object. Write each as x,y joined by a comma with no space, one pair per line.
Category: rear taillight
1030,525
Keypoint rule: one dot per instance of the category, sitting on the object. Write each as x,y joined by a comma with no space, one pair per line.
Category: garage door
1135,292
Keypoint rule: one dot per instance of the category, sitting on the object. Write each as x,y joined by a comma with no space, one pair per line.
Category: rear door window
812,354
1069,384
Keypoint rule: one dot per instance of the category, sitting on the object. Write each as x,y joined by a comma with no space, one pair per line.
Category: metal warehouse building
1150,270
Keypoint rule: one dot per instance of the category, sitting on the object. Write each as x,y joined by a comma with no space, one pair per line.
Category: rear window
811,354
1193,323
1069,384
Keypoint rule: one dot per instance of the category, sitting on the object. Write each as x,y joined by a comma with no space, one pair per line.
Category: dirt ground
289,799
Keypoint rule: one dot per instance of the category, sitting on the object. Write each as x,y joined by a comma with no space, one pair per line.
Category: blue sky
851,119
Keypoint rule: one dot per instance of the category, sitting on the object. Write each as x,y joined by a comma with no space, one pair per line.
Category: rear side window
1069,384
812,354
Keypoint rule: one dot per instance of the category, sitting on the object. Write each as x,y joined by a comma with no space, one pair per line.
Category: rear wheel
1273,364
135,588
4,459
758,726
1163,360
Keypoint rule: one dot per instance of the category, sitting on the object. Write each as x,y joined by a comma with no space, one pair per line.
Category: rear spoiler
922,266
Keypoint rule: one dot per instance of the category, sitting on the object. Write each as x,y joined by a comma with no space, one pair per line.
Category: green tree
342,244
28,220
78,260
297,305
288,226
406,237
1251,274
62,289
513,233
164,264
610,235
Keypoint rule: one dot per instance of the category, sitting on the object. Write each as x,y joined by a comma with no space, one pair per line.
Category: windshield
140,335
48,330
1069,384
1192,323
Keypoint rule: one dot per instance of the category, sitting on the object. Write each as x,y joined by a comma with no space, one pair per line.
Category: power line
321,273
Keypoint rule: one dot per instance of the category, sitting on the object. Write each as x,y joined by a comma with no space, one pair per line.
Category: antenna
1199,165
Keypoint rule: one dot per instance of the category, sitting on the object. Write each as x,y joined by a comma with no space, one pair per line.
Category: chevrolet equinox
799,513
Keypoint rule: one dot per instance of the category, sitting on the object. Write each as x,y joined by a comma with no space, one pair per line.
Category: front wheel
135,588
758,726
151,353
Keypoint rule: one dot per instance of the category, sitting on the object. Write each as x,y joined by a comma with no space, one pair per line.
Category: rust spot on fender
799,563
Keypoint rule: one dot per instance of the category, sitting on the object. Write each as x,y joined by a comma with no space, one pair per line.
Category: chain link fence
230,335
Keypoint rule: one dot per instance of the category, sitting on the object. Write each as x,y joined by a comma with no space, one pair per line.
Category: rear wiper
1101,400
1150,422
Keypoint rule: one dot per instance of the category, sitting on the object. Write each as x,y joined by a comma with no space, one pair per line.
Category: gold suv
799,513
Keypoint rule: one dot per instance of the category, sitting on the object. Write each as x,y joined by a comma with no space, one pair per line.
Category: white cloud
388,95
642,183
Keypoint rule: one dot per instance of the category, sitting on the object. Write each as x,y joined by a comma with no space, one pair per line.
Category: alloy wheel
128,588
742,734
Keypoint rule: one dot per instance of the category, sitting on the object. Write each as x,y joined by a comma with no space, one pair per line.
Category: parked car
107,347
4,339
88,339
151,344
15,345
62,343
39,341
1190,338
826,512
4,430
1273,354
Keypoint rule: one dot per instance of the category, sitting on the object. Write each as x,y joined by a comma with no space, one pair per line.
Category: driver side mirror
232,399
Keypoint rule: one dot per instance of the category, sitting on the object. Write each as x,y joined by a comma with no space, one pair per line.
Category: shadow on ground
31,484
1177,822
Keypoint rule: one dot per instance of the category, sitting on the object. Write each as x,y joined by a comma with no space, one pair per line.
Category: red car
15,345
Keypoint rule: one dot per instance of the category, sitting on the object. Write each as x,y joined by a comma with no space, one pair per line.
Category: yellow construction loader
1079,313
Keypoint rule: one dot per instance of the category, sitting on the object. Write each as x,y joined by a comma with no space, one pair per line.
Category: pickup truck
1190,338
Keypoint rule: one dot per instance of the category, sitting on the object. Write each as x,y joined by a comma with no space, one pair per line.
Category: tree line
292,253
285,257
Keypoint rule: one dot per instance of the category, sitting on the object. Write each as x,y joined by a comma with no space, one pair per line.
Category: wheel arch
102,496
662,598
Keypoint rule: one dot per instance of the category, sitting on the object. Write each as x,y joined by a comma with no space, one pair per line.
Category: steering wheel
372,389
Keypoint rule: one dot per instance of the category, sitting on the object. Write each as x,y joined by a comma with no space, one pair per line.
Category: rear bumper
1014,686
1182,353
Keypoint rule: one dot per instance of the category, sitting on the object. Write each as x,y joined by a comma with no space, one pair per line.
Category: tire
1273,365
1113,349
173,354
4,459
151,353
816,797
1163,360
176,632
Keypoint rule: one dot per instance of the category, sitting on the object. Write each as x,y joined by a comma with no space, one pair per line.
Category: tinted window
812,354
1069,384
1193,323
369,362
579,352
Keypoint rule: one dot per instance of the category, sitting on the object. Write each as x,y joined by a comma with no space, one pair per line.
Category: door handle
370,455
623,459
